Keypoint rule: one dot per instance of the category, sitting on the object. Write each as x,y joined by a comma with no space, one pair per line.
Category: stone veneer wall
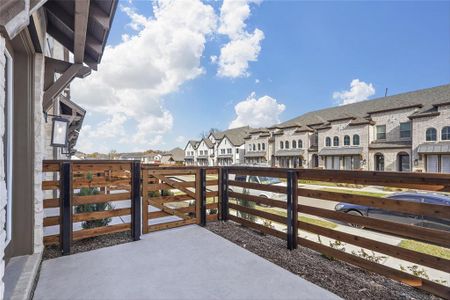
39,152
2,172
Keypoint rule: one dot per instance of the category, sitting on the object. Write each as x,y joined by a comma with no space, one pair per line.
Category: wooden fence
236,208
75,185
177,196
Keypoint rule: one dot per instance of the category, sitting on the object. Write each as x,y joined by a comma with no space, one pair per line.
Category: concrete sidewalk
184,263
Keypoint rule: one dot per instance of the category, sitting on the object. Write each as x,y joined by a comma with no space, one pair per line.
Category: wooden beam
56,88
14,16
99,16
81,23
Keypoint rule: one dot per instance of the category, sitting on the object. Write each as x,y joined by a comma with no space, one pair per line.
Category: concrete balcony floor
183,263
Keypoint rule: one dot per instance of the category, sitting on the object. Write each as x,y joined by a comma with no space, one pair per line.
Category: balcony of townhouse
150,261
291,158
255,157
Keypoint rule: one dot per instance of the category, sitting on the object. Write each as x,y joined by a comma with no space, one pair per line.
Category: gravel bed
346,281
89,244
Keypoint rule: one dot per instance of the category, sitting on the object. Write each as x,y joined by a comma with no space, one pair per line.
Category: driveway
183,263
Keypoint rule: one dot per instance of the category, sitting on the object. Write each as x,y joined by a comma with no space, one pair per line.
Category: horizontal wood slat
394,251
51,221
87,233
50,185
212,194
425,181
51,203
100,167
101,198
415,208
49,167
99,183
156,187
96,215
169,225
51,239
258,200
258,213
258,186
258,227
438,237
169,199
421,283
160,214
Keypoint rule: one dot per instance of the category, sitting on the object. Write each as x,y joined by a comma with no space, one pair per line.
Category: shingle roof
235,135
430,96
208,143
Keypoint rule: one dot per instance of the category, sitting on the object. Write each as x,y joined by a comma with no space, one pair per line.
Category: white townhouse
205,153
219,148
190,153
42,49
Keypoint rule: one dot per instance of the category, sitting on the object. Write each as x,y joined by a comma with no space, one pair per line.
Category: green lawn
354,192
315,182
425,248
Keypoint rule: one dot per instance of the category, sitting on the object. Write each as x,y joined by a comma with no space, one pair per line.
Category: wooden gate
177,196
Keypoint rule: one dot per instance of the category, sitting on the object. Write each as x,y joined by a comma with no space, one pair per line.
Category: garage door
432,163
445,163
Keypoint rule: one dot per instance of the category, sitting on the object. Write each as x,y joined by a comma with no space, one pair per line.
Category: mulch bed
90,244
344,280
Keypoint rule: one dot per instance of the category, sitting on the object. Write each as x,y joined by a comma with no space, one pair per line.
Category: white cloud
256,80
136,74
243,46
359,91
261,112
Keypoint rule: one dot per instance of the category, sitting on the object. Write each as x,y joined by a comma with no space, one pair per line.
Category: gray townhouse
221,148
404,132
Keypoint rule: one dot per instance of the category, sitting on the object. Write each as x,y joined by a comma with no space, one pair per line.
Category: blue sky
309,51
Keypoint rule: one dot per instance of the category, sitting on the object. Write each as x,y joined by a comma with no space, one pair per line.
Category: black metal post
292,227
202,179
65,235
136,200
224,194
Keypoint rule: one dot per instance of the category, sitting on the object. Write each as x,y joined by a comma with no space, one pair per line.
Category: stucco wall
2,173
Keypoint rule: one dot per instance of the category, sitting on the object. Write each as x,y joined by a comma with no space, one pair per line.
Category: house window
281,145
237,151
222,151
254,147
346,140
8,142
300,144
264,146
286,144
336,141
445,136
405,130
294,144
229,151
381,132
355,140
259,147
328,142
249,147
431,135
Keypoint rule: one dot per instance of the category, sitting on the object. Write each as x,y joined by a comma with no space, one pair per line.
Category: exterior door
403,161
336,163
347,162
432,163
329,162
379,162
445,164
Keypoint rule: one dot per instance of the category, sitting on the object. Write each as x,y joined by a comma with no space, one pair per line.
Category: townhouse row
404,132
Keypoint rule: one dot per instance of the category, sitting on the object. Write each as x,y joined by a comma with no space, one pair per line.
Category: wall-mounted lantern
416,162
60,127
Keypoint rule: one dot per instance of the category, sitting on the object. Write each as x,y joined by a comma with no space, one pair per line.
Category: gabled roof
208,143
362,110
177,154
193,143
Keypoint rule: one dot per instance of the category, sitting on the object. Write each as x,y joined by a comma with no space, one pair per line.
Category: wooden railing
285,211
176,196
72,189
